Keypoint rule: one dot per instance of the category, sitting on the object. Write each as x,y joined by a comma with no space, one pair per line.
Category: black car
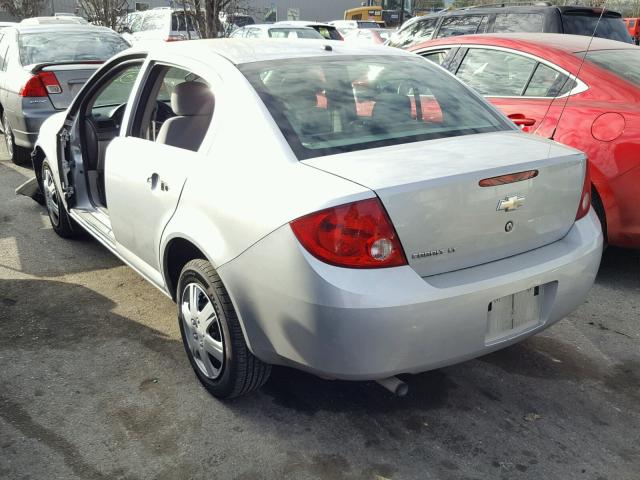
505,18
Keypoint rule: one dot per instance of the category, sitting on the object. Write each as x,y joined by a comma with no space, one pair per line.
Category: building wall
320,10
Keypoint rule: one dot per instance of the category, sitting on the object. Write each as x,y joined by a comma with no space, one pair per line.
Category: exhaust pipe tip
394,385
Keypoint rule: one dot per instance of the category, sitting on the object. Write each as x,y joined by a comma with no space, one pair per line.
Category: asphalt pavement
94,384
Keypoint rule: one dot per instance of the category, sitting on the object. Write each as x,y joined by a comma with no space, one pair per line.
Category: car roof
266,26
62,26
558,41
248,50
302,23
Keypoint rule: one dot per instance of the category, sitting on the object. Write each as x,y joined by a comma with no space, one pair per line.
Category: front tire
62,224
19,155
212,335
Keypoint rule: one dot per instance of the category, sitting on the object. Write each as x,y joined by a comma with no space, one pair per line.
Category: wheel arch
177,253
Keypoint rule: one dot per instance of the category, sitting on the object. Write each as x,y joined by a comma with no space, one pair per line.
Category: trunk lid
71,77
445,220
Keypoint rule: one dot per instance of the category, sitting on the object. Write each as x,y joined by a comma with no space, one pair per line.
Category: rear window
325,106
518,22
462,25
584,23
330,33
294,33
65,46
181,22
623,63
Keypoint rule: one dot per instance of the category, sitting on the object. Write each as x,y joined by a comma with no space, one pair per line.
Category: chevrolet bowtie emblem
510,203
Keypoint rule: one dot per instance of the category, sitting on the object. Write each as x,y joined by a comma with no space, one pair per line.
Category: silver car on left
42,67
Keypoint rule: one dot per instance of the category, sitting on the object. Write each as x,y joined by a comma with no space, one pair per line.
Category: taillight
585,197
355,235
40,85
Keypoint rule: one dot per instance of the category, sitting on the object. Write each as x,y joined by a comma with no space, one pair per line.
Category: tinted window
325,106
294,33
69,46
414,33
436,57
495,73
460,25
584,23
624,63
518,22
181,22
547,82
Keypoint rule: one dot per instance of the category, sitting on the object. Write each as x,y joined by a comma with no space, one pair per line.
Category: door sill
97,221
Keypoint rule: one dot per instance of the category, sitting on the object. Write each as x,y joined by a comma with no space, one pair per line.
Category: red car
537,78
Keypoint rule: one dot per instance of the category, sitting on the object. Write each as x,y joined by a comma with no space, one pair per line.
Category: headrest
192,98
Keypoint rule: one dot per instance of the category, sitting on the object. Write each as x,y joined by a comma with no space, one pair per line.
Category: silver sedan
354,212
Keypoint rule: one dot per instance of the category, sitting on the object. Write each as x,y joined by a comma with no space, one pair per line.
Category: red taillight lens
355,235
585,196
41,84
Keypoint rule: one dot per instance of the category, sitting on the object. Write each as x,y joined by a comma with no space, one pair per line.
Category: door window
496,73
460,25
436,57
547,82
175,109
117,91
518,22
420,30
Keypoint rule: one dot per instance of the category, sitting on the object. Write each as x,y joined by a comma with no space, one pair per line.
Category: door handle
154,180
522,121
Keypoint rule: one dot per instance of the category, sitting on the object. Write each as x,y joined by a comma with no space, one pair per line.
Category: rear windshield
584,23
330,33
65,46
181,22
325,106
624,63
294,33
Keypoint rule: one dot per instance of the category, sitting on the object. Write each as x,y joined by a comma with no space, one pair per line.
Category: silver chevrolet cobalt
355,212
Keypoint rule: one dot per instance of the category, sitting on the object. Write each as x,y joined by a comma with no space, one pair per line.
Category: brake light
354,235
40,85
509,178
585,196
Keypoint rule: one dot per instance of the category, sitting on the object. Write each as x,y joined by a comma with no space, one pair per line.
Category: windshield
325,106
624,63
69,46
584,23
294,33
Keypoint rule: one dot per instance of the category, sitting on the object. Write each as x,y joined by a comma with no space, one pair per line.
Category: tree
22,8
103,12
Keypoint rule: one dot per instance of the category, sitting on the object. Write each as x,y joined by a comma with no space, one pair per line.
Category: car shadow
32,247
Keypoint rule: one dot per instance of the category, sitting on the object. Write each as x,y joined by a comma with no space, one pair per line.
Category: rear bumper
26,126
369,324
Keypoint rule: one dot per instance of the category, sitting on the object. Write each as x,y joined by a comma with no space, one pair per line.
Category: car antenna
577,75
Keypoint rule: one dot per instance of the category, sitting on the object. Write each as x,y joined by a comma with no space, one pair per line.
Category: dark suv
509,18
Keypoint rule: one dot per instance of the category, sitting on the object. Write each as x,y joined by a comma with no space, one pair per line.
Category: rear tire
19,155
212,335
62,224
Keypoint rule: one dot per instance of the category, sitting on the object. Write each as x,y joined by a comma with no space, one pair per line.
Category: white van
163,23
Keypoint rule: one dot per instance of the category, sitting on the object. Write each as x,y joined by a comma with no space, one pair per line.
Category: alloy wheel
51,197
202,330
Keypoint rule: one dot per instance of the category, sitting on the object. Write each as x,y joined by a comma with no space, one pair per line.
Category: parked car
327,31
507,18
344,26
276,30
233,21
42,67
377,36
161,24
537,78
633,27
54,20
366,230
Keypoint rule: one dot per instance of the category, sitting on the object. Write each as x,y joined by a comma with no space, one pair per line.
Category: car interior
175,109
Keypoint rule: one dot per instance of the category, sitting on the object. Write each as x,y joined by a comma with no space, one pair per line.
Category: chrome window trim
579,88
